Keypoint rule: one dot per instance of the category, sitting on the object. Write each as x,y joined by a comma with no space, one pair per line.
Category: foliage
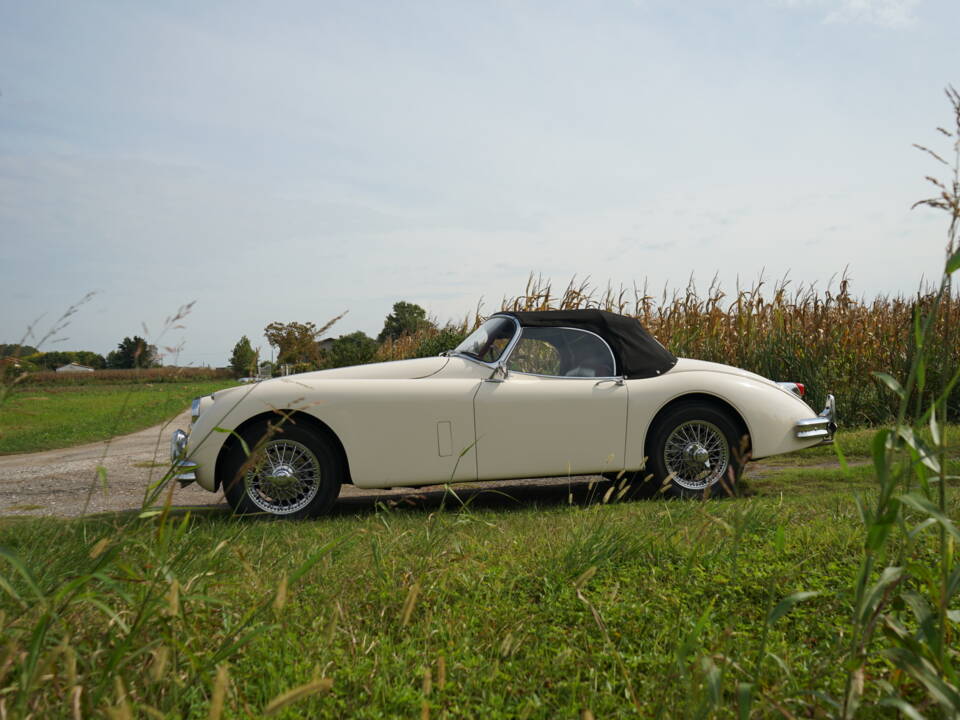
907,589
406,319
14,369
296,342
355,348
58,358
426,342
132,352
243,360
16,350
443,339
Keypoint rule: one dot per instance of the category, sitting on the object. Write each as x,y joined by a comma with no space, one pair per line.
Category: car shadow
500,495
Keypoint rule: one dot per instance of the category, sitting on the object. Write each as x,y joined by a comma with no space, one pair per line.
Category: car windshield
488,341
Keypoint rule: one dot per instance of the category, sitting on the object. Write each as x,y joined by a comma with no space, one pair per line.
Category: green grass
537,609
48,417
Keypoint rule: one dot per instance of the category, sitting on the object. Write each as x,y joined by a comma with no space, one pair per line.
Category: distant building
74,367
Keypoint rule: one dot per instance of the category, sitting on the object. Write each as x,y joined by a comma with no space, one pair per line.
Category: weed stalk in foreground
909,601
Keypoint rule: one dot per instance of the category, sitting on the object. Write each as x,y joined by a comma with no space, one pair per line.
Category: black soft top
637,352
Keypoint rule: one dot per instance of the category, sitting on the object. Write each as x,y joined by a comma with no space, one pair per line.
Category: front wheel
291,472
696,451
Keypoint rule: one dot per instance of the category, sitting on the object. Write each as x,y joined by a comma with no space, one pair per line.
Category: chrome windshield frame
505,355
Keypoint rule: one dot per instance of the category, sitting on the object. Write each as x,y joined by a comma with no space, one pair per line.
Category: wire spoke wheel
696,454
285,478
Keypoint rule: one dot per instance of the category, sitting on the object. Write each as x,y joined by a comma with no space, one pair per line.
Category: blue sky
291,160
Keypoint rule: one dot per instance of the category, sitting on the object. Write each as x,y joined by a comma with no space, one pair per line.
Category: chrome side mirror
500,373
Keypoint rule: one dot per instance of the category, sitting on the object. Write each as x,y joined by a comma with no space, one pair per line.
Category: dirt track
67,482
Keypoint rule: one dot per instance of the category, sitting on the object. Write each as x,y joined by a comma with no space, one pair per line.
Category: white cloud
886,13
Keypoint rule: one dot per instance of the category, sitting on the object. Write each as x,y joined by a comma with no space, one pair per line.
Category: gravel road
68,483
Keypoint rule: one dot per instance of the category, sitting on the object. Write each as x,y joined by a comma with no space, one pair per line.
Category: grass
533,611
51,416
500,596
538,608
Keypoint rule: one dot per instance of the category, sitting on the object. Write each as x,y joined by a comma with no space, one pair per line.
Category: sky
288,161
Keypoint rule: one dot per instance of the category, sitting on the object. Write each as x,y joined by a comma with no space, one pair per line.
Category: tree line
300,346
131,352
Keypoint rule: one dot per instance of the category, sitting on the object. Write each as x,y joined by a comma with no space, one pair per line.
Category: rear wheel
291,472
695,451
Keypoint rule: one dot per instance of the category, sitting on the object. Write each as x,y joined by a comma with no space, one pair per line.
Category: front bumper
185,471
821,427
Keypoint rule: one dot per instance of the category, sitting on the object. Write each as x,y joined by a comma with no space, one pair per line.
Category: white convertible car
528,394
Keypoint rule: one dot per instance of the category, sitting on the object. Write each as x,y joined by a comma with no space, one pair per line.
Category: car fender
769,412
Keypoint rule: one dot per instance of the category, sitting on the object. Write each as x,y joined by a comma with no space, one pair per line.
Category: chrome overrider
821,427
178,450
185,471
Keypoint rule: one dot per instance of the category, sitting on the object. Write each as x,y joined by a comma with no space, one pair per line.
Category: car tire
696,451
291,472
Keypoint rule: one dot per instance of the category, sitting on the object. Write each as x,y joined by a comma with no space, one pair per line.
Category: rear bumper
822,427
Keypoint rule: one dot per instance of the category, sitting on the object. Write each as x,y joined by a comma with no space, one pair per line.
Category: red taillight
798,389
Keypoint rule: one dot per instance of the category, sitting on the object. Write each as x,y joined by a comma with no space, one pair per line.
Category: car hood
396,370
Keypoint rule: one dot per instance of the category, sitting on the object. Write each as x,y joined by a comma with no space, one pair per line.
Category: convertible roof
637,352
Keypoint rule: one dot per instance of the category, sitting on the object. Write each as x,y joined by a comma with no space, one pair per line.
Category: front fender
230,410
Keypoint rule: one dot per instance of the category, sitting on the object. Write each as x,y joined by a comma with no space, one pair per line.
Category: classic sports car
527,394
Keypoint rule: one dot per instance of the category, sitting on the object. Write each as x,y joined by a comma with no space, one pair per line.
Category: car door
559,410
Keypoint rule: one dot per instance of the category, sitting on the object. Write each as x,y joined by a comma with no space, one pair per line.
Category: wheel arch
298,417
697,398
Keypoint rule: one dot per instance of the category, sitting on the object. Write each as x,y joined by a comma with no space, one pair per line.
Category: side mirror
500,373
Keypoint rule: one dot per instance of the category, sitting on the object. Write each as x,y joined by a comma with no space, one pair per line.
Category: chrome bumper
185,471
821,427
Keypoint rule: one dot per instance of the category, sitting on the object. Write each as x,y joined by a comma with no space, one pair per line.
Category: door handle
617,381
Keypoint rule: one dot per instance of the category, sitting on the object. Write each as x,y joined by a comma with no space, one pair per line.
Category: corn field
829,340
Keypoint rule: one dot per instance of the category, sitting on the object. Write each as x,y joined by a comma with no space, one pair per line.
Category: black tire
292,472
696,451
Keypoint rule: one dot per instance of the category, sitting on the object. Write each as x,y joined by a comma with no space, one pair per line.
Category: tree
58,358
353,349
53,359
89,358
243,361
445,339
16,350
406,318
296,342
133,352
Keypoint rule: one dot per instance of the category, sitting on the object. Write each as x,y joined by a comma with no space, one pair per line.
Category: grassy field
49,416
542,608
